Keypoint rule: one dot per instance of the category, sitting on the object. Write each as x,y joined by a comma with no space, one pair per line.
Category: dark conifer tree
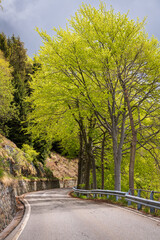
4,44
16,54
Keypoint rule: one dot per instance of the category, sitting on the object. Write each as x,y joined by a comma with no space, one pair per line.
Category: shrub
30,153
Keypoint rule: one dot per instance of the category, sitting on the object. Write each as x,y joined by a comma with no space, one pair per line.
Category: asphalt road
54,215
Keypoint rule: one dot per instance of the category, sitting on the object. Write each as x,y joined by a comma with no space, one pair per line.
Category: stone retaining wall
7,205
68,183
31,186
8,197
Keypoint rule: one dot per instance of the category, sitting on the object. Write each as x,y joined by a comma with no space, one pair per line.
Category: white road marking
24,221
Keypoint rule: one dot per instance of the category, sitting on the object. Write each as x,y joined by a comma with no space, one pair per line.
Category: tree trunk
80,162
87,173
94,173
134,137
117,150
84,149
133,144
117,163
102,162
117,174
79,181
132,161
92,160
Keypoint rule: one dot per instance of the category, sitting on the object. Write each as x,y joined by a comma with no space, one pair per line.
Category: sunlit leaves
6,89
83,70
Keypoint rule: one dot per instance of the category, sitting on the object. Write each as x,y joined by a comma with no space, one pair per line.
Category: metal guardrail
99,192
142,201
127,195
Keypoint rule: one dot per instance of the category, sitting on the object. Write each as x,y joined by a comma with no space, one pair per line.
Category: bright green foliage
6,92
30,153
86,71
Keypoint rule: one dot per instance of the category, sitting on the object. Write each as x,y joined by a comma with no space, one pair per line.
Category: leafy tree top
83,65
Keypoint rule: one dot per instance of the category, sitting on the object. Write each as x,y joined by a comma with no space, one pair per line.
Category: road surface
54,215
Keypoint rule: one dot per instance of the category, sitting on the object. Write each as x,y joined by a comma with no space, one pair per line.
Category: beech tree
139,78
107,63
133,58
64,119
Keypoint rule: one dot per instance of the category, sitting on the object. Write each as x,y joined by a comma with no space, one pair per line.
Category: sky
21,17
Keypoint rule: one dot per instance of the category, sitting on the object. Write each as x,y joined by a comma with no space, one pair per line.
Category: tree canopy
98,77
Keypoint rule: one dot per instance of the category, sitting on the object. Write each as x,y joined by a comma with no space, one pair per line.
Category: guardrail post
129,193
94,195
152,210
139,207
117,198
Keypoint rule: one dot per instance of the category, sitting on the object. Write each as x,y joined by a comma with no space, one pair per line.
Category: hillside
14,163
62,167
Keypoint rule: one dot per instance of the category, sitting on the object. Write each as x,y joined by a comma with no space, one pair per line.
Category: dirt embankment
62,167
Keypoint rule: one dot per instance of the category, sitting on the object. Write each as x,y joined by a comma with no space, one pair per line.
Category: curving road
54,215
